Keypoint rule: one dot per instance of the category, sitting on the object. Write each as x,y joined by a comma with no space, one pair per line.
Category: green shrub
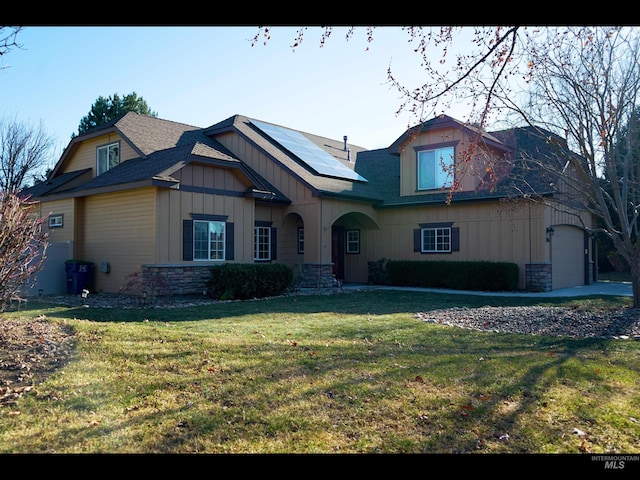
476,275
242,281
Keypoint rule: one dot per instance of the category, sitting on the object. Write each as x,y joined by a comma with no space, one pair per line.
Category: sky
203,75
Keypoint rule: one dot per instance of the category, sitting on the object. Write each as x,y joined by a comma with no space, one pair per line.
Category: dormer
443,154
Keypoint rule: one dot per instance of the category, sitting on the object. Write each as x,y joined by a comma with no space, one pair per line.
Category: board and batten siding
303,203
487,233
174,206
281,179
352,215
119,229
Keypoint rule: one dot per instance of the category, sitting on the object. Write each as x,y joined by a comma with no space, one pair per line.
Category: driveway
620,289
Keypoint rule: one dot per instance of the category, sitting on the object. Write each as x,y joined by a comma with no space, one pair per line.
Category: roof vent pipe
345,142
348,154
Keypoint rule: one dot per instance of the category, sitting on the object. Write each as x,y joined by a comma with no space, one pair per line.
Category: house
172,200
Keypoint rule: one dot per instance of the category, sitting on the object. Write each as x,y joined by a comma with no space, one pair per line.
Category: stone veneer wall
316,275
178,279
538,277
162,280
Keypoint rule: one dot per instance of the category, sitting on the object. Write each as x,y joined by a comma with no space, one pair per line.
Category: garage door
567,257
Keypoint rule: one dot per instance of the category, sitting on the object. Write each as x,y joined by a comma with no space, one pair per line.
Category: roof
444,121
321,185
165,146
519,174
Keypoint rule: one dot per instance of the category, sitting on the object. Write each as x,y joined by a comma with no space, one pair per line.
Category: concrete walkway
621,289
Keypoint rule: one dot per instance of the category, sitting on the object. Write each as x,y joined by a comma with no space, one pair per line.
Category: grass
346,373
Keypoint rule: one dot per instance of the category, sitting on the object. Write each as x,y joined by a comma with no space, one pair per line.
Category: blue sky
202,75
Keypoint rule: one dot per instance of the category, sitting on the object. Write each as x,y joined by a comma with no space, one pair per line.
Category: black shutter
455,239
416,240
274,243
187,240
228,239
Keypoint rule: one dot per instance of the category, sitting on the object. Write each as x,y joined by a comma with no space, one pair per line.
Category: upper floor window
208,240
435,168
107,157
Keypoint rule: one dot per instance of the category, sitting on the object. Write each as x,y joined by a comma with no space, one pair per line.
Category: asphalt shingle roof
322,185
165,146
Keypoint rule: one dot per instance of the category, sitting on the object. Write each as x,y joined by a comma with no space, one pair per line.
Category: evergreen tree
106,109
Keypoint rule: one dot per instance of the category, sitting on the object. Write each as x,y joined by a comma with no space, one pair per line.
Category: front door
337,251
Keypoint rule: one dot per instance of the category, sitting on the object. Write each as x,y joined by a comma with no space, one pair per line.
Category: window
300,240
108,156
436,239
55,221
208,240
353,241
207,237
435,168
262,243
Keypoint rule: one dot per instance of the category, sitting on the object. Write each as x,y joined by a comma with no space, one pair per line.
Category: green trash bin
79,275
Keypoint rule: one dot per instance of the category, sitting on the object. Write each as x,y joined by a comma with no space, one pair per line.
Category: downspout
528,281
319,246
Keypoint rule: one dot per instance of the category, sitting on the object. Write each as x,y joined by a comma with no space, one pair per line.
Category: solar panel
308,152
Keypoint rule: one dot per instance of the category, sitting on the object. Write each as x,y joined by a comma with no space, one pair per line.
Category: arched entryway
350,246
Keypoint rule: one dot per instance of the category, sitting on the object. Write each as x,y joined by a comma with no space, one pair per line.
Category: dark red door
337,251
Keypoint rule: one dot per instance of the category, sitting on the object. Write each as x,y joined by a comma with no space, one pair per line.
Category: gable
83,156
472,160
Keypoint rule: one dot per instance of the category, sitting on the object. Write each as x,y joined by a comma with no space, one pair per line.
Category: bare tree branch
24,150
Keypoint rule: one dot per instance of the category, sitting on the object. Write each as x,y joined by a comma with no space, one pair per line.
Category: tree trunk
635,279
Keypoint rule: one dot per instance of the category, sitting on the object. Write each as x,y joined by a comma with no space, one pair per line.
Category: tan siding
174,206
85,155
468,173
209,177
63,207
288,240
119,229
487,232
280,179
304,204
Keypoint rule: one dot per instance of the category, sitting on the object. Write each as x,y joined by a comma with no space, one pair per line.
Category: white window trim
56,221
300,240
261,233
221,252
107,148
352,242
440,232
438,167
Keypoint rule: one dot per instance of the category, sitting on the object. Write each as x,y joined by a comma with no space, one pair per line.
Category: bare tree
8,37
24,151
584,85
578,84
23,245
